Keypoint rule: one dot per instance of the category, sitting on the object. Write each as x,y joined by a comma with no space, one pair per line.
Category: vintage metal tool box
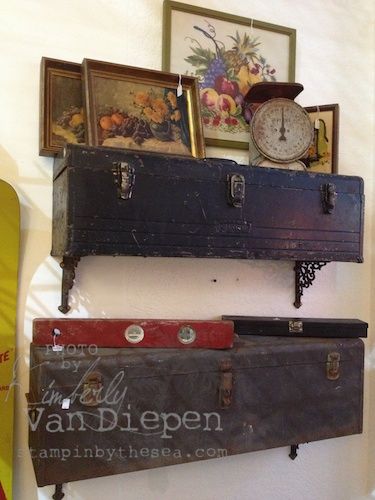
109,201
103,411
298,327
112,201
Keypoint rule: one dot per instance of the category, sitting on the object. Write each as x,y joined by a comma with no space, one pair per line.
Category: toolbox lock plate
236,190
333,366
226,384
124,178
92,386
295,326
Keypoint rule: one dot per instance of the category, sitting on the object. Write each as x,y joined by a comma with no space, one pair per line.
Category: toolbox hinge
124,178
226,384
236,190
333,366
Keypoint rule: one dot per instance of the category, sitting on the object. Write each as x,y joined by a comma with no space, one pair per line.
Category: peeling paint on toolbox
182,207
121,410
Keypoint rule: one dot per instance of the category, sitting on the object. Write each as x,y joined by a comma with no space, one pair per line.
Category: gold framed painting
142,109
324,150
227,54
61,107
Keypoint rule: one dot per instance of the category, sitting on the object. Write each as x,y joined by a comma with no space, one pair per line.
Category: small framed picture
61,106
142,109
228,54
324,150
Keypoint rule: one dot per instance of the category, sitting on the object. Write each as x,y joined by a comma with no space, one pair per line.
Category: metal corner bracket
304,277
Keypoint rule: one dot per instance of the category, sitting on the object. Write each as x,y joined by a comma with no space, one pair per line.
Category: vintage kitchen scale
280,129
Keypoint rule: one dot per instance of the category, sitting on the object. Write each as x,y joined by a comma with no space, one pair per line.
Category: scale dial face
281,130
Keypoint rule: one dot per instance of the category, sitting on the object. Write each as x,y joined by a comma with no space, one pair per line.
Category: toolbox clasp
92,386
226,384
333,366
329,196
124,178
295,326
236,190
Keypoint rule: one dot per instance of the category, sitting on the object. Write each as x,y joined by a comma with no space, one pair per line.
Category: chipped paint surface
187,212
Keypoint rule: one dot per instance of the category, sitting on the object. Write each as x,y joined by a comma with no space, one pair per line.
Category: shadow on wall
168,287
155,287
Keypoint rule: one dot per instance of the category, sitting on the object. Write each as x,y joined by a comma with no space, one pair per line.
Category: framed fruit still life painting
324,150
142,109
227,54
61,107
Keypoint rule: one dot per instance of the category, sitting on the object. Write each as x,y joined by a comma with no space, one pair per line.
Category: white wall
335,62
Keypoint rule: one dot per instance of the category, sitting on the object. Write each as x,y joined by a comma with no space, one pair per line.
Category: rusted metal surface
157,407
134,333
68,265
333,366
180,207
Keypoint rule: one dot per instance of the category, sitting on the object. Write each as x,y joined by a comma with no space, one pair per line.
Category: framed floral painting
142,109
227,54
324,150
61,111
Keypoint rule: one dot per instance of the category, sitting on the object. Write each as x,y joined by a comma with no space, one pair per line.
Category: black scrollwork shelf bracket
304,276
68,266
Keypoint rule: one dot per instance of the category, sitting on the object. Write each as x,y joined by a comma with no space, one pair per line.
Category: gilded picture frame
227,53
324,151
61,106
142,109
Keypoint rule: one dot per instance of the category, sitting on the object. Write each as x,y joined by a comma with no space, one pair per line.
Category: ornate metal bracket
68,266
304,276
58,495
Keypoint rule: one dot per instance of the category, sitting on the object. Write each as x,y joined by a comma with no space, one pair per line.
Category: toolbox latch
92,386
295,326
333,366
226,384
329,196
236,190
124,177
